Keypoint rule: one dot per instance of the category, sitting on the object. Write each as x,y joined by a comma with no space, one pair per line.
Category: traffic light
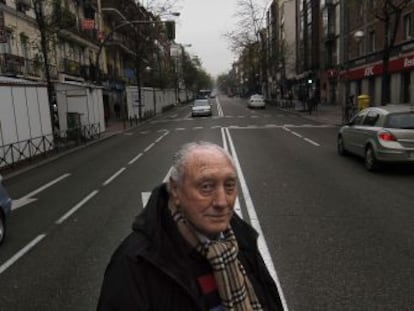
170,25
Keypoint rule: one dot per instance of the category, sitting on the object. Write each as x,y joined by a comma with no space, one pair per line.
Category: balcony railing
12,64
15,65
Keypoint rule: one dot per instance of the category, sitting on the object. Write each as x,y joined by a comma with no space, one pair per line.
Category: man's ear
174,191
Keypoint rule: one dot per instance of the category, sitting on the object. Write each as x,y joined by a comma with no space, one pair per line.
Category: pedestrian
188,249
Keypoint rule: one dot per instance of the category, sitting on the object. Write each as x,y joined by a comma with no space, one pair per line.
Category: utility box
363,102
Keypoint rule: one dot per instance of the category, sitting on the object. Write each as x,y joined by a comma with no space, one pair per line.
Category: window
407,27
371,41
371,118
400,120
5,48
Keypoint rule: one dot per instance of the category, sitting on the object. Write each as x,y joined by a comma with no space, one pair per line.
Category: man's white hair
181,157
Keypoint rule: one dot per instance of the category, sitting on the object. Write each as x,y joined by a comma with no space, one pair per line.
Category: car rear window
201,103
400,120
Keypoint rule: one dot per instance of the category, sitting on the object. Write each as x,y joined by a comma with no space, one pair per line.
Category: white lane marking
255,222
28,197
237,208
135,159
219,108
311,142
296,134
180,129
216,127
149,147
146,195
106,182
144,132
145,198
76,207
21,253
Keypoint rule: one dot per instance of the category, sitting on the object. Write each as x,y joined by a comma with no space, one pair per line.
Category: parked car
256,101
201,107
379,134
5,209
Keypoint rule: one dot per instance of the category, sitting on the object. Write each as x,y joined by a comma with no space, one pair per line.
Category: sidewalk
326,114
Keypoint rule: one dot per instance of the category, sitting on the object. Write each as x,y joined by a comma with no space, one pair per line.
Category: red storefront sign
395,65
88,24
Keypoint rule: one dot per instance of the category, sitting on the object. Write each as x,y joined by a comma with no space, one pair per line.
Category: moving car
379,134
256,101
5,209
201,107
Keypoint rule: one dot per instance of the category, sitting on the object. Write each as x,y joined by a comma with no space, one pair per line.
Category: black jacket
152,268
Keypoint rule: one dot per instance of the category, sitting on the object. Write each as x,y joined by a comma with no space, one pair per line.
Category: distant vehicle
203,94
201,107
5,209
256,101
379,134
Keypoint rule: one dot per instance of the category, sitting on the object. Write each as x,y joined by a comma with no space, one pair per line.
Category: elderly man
188,250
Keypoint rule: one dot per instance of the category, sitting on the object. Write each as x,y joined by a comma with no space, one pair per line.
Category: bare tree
160,7
250,17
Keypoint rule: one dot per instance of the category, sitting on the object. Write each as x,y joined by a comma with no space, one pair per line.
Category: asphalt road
338,237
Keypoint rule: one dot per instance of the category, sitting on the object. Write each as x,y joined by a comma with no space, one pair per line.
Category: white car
379,134
201,107
256,101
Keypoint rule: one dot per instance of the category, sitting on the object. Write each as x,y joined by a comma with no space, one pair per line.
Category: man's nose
220,197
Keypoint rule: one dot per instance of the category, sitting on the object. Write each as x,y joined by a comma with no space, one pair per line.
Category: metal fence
28,150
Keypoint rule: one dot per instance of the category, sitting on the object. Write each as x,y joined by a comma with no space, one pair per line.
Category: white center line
255,222
76,207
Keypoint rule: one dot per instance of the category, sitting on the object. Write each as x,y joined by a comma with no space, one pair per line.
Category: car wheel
2,228
340,146
371,162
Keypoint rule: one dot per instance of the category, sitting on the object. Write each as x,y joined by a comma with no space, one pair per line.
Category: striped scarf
234,287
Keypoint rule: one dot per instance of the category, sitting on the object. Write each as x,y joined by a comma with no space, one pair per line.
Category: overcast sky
202,24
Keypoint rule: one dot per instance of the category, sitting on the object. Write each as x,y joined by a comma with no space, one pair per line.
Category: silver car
379,134
5,209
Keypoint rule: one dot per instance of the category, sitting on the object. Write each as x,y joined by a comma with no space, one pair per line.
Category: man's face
208,191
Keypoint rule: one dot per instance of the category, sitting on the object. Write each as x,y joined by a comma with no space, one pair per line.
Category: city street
335,236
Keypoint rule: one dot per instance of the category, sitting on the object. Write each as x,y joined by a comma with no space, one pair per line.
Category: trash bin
363,102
